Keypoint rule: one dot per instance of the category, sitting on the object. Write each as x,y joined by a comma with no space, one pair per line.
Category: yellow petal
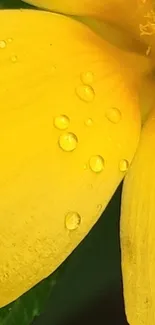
138,231
131,15
114,35
69,127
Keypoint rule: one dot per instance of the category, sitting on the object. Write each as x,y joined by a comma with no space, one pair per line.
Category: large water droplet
113,115
61,122
87,77
89,122
96,163
2,44
72,220
68,141
85,93
123,165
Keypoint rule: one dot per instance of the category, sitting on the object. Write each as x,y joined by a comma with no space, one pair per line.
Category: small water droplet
2,44
10,40
14,58
85,166
53,69
123,165
99,207
87,77
72,220
89,122
61,122
68,141
96,163
85,93
113,115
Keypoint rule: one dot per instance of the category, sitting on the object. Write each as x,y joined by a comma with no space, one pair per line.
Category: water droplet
2,44
72,220
10,40
53,69
85,166
14,58
123,165
96,163
113,115
99,207
85,93
68,141
61,122
87,77
89,122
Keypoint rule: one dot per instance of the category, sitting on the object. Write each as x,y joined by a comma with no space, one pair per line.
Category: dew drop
14,58
99,207
68,141
2,44
53,69
85,93
9,40
113,115
72,220
61,122
89,122
123,165
96,163
87,77
85,166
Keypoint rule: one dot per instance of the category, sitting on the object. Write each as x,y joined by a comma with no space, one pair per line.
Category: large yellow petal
138,231
69,127
131,15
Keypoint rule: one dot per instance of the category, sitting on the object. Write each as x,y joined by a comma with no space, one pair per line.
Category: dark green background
88,285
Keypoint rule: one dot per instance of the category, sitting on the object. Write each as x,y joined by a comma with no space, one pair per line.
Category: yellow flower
77,103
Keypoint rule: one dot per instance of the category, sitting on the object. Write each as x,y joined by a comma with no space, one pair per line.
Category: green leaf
31,304
12,4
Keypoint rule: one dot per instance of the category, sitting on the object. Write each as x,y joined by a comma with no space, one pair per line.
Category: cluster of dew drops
3,45
68,141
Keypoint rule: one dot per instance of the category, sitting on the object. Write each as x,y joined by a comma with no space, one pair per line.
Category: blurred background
89,285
